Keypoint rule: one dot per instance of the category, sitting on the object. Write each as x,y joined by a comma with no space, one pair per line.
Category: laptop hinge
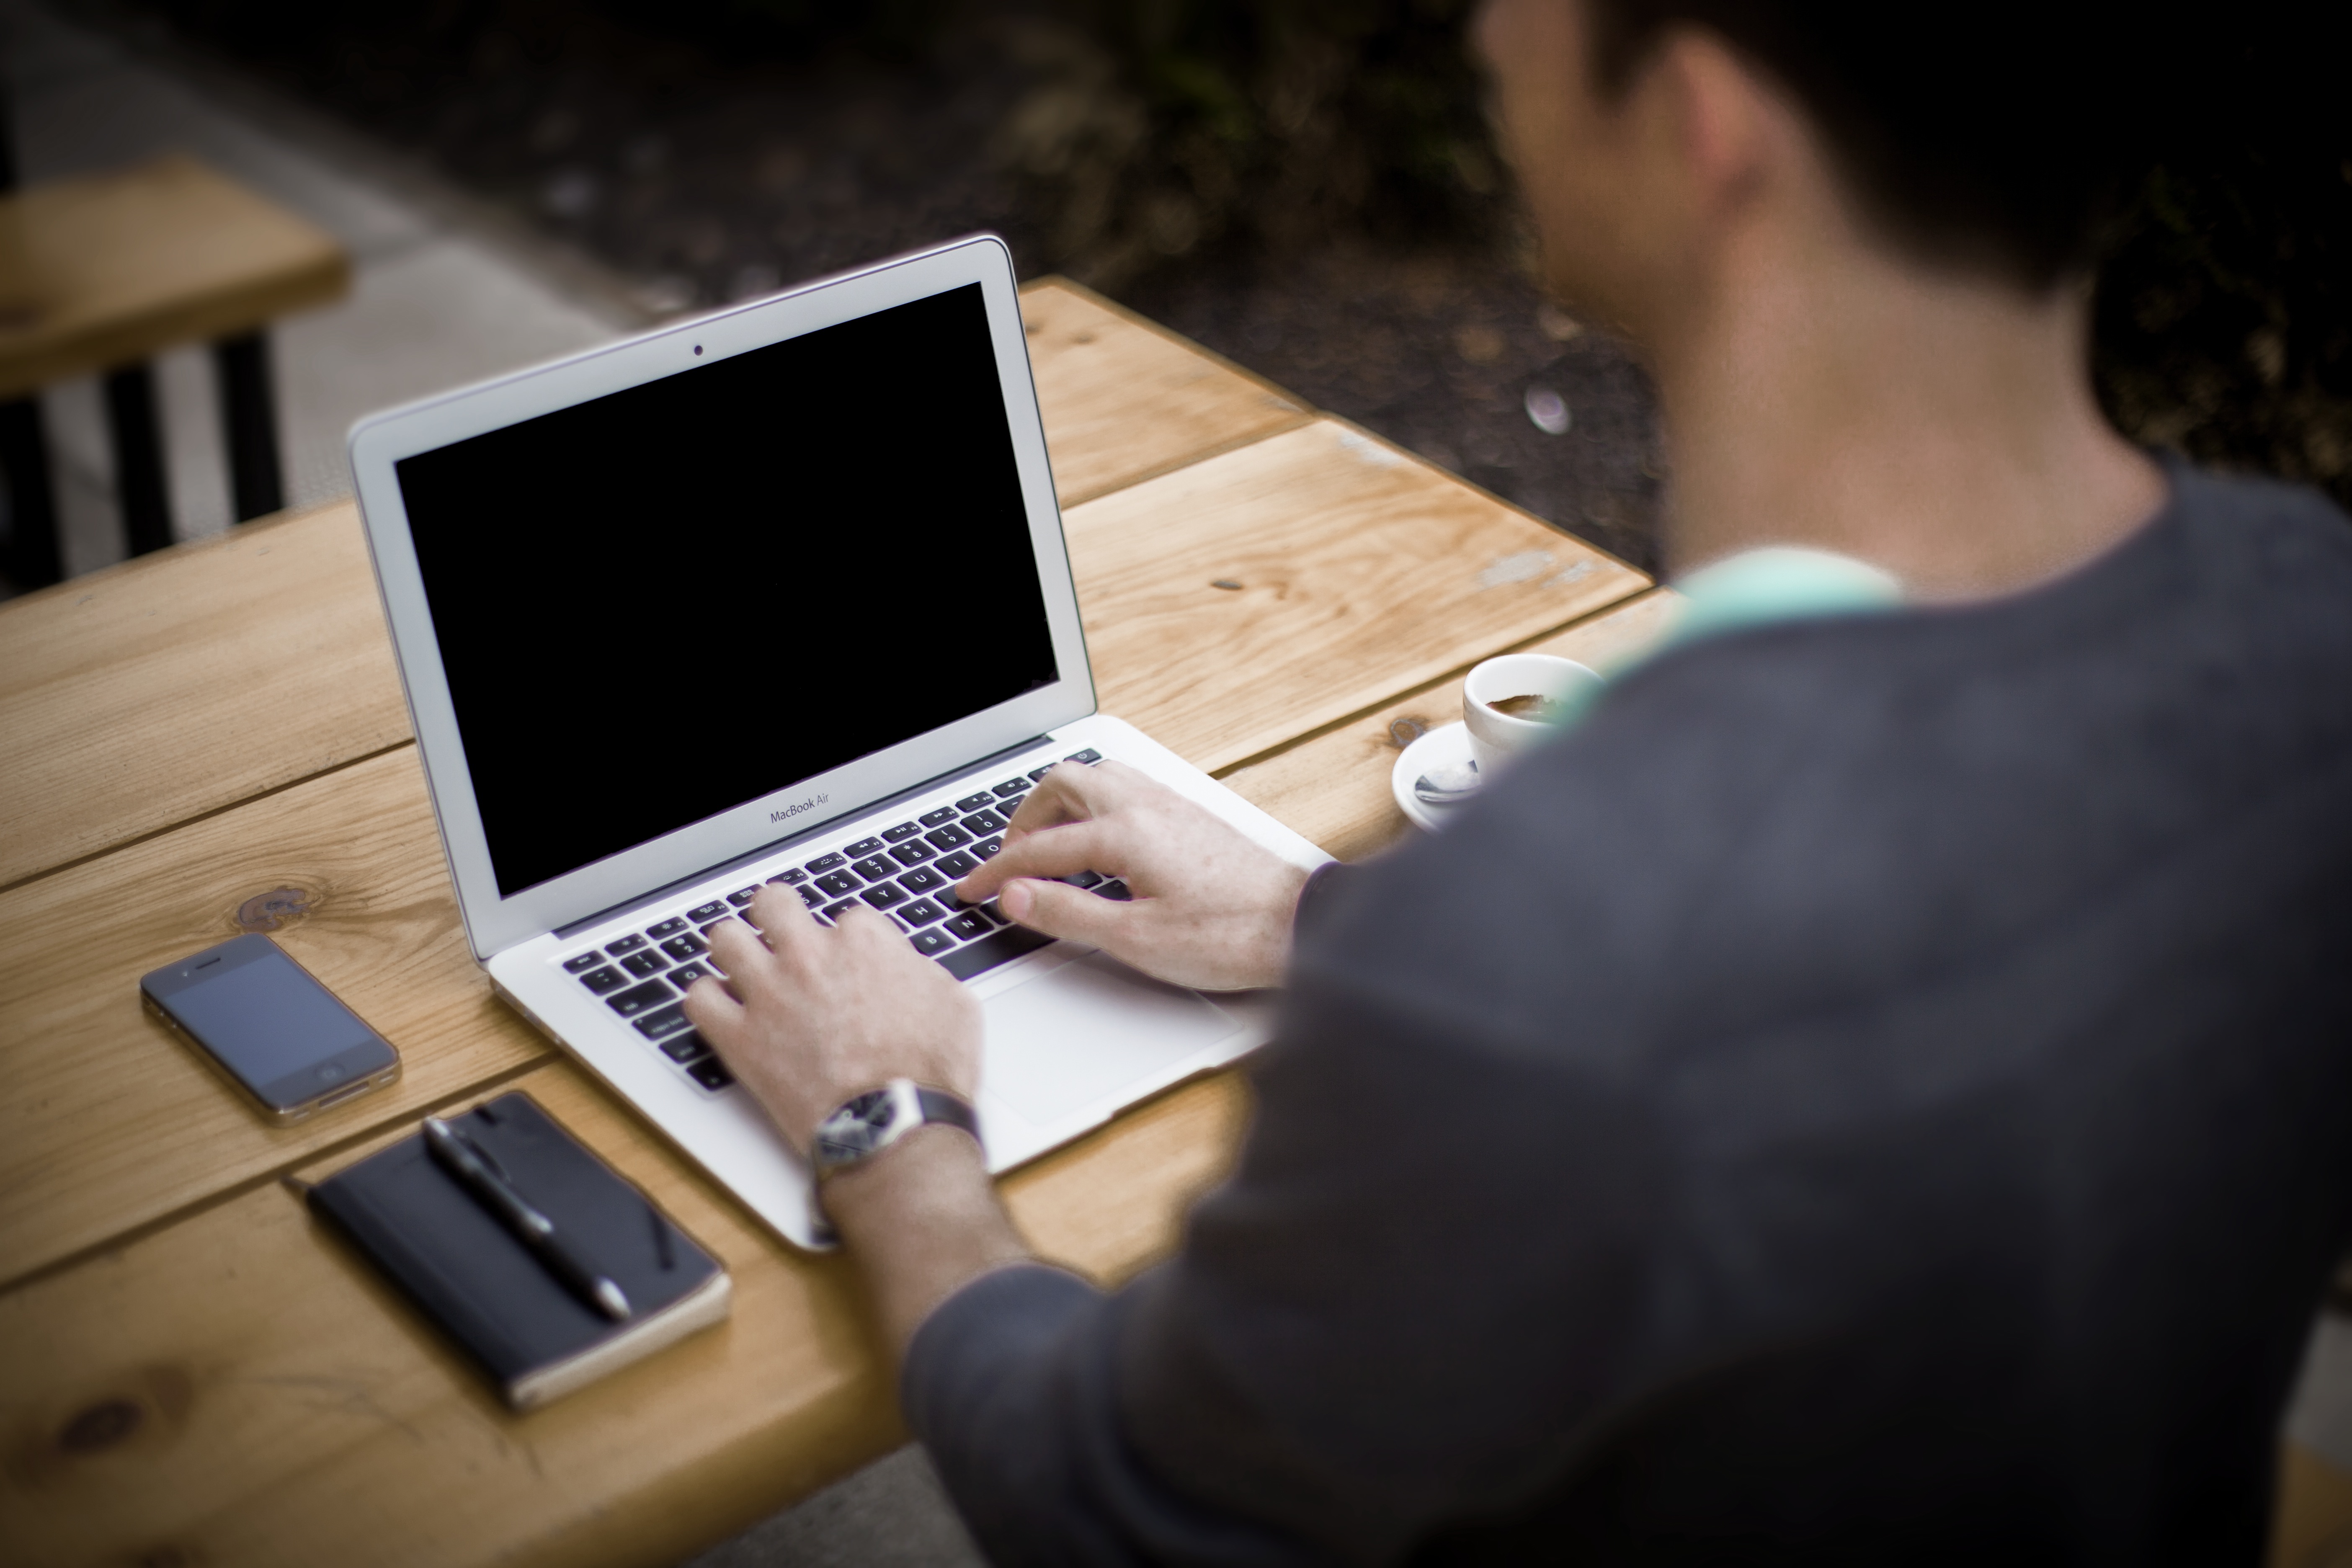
986,764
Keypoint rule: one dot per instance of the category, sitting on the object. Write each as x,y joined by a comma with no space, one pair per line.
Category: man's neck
1940,429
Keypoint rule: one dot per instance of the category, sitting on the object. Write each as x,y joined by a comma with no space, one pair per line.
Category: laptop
776,595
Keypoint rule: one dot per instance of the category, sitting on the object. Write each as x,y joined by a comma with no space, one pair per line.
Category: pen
475,1170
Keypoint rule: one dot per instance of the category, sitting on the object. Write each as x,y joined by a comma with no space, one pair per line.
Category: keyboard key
792,878
987,847
639,999
1011,787
685,974
876,867
882,895
981,824
643,963
929,943
957,867
974,802
999,947
685,1047
948,837
968,925
731,914
588,960
922,912
670,927
905,830
922,879
863,847
838,883
701,913
684,947
710,1073
1085,878
1089,755
602,980
810,896
1037,776
933,818
1115,891
825,863
742,896
661,1024
914,852
835,912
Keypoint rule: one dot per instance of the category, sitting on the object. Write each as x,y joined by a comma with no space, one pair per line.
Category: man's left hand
818,1017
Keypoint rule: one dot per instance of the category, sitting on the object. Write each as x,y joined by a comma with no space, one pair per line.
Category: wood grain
110,1122
184,681
284,1407
1124,398
1334,787
105,270
1362,573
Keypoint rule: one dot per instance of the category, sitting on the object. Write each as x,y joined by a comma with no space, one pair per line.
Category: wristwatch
870,1123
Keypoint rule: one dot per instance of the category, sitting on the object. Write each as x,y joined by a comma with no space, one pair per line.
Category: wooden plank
184,681
110,1122
1333,787
1124,398
181,683
2313,1527
106,269
270,1402
1363,573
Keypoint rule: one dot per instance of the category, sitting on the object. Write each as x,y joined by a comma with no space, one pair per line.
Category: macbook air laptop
778,595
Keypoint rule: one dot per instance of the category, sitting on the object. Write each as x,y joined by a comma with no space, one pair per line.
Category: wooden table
189,1372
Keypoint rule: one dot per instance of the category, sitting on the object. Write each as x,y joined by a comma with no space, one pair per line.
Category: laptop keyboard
907,871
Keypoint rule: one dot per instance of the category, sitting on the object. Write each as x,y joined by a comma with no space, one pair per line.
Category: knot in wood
100,1426
273,910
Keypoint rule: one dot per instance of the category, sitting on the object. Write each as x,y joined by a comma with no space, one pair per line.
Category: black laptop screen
662,604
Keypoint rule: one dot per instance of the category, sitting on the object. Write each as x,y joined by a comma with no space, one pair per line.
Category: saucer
1448,746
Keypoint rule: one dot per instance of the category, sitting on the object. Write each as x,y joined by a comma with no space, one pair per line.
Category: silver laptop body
777,594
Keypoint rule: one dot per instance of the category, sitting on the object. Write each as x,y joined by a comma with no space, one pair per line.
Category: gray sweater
1879,1091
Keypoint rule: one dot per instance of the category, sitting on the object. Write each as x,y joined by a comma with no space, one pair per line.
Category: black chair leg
249,425
138,431
33,558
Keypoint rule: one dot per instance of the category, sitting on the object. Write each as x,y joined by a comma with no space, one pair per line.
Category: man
1877,1091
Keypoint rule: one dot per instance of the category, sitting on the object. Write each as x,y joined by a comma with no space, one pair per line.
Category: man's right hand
1211,909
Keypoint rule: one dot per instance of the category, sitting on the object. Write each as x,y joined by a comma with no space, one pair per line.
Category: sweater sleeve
1357,1343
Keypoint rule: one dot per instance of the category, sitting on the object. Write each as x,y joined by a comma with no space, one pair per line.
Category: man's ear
1724,122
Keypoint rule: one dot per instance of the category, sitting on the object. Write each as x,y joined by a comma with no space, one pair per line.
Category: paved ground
447,293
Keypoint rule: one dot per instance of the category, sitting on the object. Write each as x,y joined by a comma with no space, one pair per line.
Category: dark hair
1995,138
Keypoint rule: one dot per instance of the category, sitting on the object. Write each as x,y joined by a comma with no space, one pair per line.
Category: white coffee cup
1556,686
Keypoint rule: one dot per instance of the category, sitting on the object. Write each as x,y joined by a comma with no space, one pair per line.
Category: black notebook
537,1340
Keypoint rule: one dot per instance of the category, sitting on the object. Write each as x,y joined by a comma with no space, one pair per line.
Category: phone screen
283,1035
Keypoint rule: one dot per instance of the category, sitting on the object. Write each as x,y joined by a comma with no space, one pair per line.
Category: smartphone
270,1030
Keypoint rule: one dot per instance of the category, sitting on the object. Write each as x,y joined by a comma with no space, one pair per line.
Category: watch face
856,1129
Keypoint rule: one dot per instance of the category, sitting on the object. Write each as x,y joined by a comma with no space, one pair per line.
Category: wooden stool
99,274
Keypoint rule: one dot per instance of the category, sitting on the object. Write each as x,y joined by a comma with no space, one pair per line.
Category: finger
718,1016
1059,797
1059,909
1090,845
788,924
740,954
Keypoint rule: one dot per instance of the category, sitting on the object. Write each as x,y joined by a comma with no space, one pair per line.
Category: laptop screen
662,604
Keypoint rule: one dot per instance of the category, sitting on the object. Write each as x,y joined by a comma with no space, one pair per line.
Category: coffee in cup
1511,703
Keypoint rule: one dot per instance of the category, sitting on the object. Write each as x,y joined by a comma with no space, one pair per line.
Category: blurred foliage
2224,316
1159,127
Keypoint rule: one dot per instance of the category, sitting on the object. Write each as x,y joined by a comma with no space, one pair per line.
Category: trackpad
1089,1029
